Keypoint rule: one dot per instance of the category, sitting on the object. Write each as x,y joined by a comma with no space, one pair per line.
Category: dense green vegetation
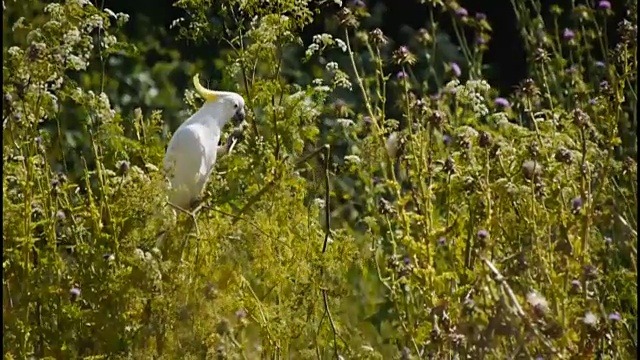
385,202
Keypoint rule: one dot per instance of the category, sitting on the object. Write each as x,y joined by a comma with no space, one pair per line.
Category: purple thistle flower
442,241
568,34
593,101
407,260
576,284
462,12
406,353
75,293
468,303
608,240
483,234
502,102
576,204
446,139
358,3
455,68
401,75
604,5
435,96
572,70
481,16
403,50
615,316
480,40
60,215
600,64
590,271
241,314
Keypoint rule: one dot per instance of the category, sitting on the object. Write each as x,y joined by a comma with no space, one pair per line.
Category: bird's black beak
239,116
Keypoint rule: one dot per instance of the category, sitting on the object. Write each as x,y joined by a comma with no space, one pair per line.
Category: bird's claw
196,204
235,137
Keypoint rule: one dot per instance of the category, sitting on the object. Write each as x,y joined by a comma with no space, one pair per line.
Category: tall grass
385,202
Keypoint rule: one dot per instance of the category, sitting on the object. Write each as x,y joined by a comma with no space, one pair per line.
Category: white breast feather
188,162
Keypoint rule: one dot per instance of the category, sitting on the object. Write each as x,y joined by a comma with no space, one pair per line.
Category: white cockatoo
193,148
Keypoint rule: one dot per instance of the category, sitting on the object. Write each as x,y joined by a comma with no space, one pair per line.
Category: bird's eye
235,106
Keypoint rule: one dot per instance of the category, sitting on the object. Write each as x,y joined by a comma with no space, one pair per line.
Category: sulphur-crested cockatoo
193,148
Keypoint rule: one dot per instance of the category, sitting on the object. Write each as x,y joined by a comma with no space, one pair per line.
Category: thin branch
272,183
327,232
519,311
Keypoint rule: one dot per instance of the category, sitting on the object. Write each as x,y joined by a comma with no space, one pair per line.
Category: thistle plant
387,201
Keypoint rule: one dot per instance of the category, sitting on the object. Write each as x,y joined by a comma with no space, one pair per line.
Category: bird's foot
192,214
195,204
233,139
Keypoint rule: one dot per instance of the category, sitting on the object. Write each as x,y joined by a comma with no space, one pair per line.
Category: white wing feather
188,162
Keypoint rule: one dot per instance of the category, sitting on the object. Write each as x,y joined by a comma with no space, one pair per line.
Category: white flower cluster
121,18
353,159
472,93
322,42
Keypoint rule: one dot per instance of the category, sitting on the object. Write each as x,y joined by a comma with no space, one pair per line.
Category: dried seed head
563,156
590,272
341,108
580,118
7,101
420,106
541,55
437,118
464,143
628,31
483,236
378,38
531,170
210,291
123,167
402,56
485,139
576,286
529,88
35,51
424,36
346,18
533,149
538,303
223,327
385,207
449,166
629,166
539,187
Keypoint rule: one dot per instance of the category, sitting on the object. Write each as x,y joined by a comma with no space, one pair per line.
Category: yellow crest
207,94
